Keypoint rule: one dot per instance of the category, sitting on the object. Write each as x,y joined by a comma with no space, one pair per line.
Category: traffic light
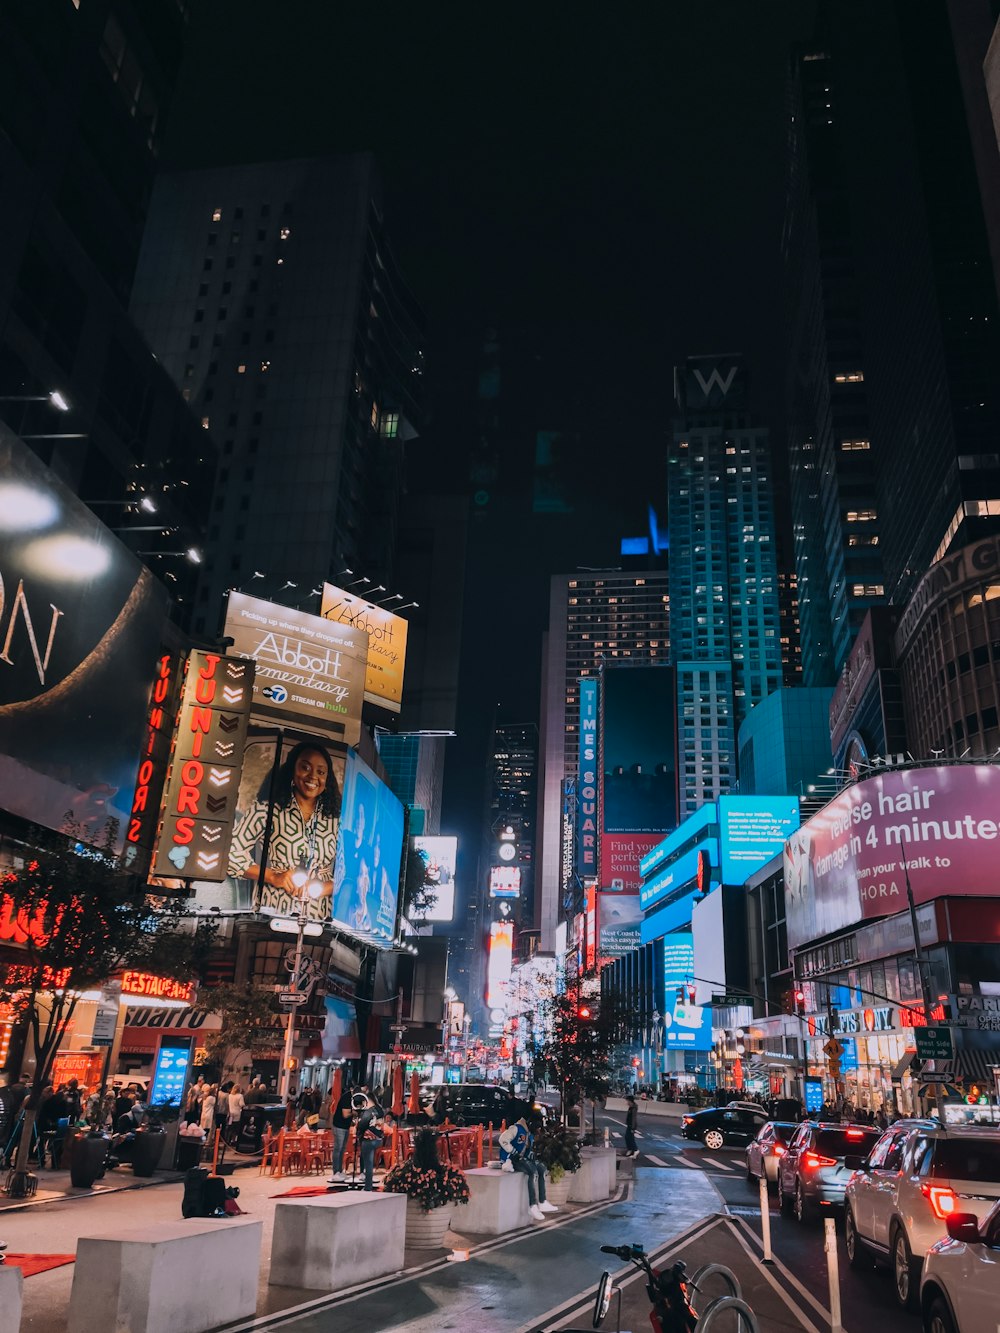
583,1011
690,992
800,1001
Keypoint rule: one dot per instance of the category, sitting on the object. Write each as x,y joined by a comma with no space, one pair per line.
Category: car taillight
687,1120
778,1150
813,1160
942,1199
855,1133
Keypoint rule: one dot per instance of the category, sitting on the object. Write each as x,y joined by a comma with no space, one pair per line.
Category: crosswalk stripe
615,1134
721,1166
685,1162
657,1161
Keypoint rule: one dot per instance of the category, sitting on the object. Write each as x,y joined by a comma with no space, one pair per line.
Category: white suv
960,1290
898,1199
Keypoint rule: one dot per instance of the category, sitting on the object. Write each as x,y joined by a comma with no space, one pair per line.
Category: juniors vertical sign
204,779
586,842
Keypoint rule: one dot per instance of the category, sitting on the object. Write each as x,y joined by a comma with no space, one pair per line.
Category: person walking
631,1124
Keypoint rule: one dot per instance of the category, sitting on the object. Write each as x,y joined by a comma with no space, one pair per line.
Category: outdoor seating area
306,1153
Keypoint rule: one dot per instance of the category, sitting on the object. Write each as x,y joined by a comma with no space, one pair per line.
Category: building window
850,377
204,423
855,446
241,369
861,515
217,215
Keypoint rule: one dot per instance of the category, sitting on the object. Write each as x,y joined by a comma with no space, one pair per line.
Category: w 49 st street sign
934,1043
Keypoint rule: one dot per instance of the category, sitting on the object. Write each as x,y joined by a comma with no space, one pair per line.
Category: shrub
558,1150
426,1179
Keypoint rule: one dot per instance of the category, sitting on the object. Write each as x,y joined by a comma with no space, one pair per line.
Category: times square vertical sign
586,787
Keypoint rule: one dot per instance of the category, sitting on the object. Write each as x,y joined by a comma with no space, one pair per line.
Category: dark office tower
836,532
925,197
84,88
725,617
270,295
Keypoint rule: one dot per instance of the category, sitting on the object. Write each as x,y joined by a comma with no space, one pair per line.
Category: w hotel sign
204,778
705,383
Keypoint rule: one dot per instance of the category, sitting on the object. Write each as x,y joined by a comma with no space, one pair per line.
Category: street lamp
308,888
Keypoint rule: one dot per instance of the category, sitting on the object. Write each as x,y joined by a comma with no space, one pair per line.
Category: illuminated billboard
439,856
753,829
850,862
199,804
499,964
686,1025
639,792
386,642
310,671
681,870
586,787
369,850
80,627
505,881
620,918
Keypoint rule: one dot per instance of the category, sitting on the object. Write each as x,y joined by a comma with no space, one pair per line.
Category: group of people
213,1106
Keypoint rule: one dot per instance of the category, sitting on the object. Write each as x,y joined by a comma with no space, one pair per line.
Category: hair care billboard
80,626
849,863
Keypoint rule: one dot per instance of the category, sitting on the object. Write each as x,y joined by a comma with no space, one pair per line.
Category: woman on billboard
303,840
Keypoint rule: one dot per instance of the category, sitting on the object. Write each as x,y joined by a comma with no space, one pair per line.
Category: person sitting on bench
517,1153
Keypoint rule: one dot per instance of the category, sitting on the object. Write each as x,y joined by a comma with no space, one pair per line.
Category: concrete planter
147,1151
89,1156
557,1191
425,1231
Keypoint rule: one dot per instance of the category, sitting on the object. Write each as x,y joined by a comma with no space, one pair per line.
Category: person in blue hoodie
517,1153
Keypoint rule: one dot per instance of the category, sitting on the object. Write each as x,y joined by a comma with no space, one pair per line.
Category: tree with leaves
574,1048
248,1026
80,921
419,892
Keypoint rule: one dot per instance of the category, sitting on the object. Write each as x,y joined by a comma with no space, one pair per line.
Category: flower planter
425,1231
147,1150
557,1191
89,1157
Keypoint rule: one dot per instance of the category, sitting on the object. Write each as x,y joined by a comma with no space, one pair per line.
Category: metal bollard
765,1218
833,1273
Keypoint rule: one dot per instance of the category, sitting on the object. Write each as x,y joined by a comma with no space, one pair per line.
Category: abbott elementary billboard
849,863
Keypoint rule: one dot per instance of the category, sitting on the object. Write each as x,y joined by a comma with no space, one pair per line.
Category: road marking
824,1314
658,1160
721,1166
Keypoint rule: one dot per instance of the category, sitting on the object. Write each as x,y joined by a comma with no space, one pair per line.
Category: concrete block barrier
325,1243
498,1203
166,1277
11,1291
597,1176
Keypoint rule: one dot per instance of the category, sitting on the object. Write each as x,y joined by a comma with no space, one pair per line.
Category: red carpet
30,1264
303,1192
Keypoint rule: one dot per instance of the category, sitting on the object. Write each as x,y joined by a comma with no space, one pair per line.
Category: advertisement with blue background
369,849
685,1026
752,829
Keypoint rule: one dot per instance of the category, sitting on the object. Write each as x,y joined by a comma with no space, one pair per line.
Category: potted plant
559,1152
432,1190
90,1155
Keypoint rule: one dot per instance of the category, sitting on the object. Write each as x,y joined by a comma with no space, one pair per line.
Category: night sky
611,182
605,187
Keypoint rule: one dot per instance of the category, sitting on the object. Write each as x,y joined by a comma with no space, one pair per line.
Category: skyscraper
270,294
726,628
619,617
836,529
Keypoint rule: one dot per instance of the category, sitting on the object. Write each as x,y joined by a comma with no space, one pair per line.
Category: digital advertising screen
386,642
505,881
685,1025
80,628
366,876
170,1073
439,856
753,829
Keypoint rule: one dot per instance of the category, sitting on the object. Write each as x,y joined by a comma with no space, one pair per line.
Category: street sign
292,998
934,1043
731,1001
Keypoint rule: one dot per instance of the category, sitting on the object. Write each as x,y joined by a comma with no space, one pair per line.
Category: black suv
724,1126
485,1104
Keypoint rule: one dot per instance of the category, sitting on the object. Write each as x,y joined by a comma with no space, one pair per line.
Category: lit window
285,233
217,215
265,366
852,377
861,515
374,416
390,425
855,446
241,369
204,423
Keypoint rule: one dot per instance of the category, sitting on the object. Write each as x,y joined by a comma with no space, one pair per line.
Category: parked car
767,1149
723,1126
902,1193
960,1290
812,1174
487,1103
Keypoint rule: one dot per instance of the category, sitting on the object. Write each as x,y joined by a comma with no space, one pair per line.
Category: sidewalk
506,1286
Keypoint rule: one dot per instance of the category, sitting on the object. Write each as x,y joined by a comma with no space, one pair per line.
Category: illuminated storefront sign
140,835
586,845
145,985
386,642
204,778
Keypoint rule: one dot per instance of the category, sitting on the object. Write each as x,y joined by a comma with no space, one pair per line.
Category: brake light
942,1200
778,1150
813,1160
855,1133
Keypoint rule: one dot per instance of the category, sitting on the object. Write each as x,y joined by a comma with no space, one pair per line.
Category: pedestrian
517,1153
237,1103
371,1135
340,1122
207,1117
631,1124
